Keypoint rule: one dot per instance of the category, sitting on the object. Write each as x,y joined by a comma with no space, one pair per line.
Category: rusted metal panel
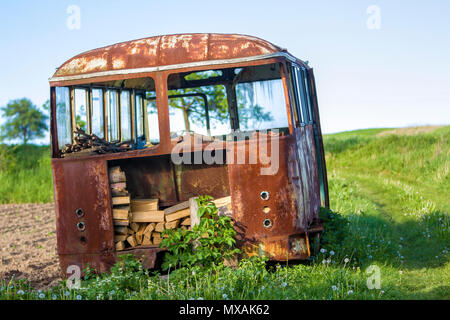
83,209
308,171
251,211
165,50
201,179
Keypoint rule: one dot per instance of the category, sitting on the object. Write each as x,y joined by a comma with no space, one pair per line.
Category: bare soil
28,244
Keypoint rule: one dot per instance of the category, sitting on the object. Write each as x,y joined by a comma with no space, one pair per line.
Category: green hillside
389,192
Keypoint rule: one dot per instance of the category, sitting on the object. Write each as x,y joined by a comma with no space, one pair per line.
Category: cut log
121,230
147,216
139,238
172,224
134,226
144,204
120,200
186,221
178,215
115,177
119,185
149,228
121,237
224,206
159,227
177,207
132,240
130,231
119,193
193,206
121,213
121,223
147,241
120,246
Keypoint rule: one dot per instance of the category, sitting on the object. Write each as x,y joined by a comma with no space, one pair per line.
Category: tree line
24,121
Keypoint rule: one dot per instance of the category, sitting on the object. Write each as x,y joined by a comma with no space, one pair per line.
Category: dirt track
28,244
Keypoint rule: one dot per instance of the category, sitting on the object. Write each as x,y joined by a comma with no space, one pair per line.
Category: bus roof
166,52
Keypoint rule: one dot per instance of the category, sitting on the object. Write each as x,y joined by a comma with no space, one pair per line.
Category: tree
24,121
193,108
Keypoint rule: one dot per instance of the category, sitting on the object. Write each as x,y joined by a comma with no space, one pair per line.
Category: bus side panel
87,237
308,170
284,238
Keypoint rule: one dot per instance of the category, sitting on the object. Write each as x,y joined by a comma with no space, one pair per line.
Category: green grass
25,174
389,194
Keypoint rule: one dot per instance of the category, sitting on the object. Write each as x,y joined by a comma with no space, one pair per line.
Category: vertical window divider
89,110
145,113
105,113
132,115
119,113
72,112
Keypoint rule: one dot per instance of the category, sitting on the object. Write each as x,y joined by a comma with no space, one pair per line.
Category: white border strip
173,66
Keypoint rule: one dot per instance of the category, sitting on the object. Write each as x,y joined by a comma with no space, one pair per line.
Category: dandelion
346,260
20,292
324,261
225,296
112,292
41,296
284,284
78,297
350,292
191,299
67,293
54,297
332,252
334,288
400,272
323,250
262,288
199,298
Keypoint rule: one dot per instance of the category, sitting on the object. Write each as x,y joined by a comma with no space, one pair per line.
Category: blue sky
398,75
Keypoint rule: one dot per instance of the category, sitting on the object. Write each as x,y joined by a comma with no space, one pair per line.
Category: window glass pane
307,94
297,98
80,109
302,91
113,129
152,118
125,115
261,105
139,117
190,109
63,119
97,113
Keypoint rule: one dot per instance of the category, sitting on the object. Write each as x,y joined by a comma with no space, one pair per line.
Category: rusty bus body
276,214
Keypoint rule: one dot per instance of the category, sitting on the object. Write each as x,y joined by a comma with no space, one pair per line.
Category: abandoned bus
134,127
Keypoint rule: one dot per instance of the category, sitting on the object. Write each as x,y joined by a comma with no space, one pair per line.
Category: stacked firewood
84,143
147,222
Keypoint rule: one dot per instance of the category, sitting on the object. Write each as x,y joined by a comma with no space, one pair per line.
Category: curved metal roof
166,52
